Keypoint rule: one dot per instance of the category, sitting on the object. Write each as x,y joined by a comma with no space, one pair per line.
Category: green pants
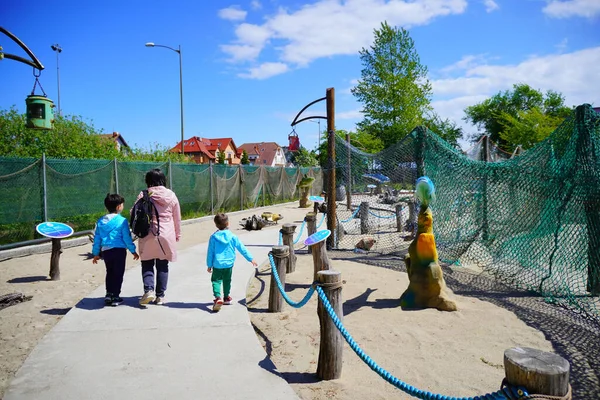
221,276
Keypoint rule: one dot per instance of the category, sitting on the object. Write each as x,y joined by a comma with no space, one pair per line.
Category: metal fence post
241,188
116,176
212,204
45,190
170,176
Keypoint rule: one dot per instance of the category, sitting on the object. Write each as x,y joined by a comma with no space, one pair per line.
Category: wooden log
320,258
332,342
399,222
287,238
55,260
311,226
411,224
540,372
364,217
280,256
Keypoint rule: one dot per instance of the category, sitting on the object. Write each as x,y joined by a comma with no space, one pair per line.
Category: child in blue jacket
221,257
113,238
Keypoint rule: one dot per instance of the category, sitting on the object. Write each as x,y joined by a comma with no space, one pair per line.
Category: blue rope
353,215
509,393
282,290
321,223
380,216
280,238
300,233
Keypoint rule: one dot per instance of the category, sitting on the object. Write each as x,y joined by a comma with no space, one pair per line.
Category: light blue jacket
112,231
221,249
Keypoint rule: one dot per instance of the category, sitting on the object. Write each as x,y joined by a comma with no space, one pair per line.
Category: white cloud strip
233,13
490,5
572,8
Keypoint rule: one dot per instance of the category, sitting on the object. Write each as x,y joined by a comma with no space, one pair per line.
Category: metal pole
181,97
45,194
241,188
58,50
330,95
170,175
116,176
212,190
349,177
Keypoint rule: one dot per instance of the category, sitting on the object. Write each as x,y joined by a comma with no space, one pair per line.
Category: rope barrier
300,233
381,216
321,223
299,304
353,215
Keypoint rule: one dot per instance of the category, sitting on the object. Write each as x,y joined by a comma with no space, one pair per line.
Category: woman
159,246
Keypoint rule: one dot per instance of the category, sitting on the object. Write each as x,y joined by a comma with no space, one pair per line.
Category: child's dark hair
221,221
112,201
155,177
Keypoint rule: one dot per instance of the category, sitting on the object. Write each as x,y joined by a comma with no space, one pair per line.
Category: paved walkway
177,351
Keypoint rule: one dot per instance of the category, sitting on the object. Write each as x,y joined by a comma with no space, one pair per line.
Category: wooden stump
540,372
332,342
280,256
287,238
411,223
399,222
311,226
364,217
55,260
320,258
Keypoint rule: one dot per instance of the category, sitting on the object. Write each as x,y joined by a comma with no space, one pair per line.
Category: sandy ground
24,324
455,354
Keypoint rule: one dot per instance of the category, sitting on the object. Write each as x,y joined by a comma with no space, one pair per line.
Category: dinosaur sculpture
427,288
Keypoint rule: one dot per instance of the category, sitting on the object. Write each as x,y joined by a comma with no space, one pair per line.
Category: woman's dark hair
155,177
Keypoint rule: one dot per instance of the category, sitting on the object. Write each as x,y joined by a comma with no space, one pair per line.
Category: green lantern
40,112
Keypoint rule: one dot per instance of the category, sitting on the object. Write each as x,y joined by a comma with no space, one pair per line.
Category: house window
264,161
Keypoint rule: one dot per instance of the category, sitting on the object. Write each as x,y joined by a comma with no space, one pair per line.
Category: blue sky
250,66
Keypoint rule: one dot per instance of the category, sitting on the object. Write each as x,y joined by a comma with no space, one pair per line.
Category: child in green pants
221,257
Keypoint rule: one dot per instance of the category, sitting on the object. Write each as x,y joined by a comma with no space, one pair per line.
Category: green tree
245,160
393,87
361,140
304,158
492,115
528,128
221,157
444,128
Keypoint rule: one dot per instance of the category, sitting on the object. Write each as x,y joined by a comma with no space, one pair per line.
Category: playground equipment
56,231
427,288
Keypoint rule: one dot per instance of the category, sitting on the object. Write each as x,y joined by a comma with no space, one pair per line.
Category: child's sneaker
115,301
159,301
147,298
108,299
217,304
227,300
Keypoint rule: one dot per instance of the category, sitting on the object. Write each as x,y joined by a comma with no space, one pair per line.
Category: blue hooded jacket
112,231
221,250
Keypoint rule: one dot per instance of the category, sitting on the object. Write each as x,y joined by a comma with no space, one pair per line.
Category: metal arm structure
295,121
34,62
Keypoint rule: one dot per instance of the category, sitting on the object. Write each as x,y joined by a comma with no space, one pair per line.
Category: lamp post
178,51
58,50
318,122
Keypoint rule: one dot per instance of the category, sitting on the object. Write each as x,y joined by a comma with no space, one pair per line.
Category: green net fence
532,221
73,191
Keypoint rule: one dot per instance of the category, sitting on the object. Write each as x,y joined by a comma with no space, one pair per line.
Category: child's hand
254,263
209,269
136,256
95,259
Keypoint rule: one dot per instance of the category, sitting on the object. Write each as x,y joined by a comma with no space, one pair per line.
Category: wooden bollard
411,224
539,372
364,217
287,238
399,222
55,260
320,258
311,226
332,342
280,256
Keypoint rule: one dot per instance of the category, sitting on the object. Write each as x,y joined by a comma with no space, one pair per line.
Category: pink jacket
169,214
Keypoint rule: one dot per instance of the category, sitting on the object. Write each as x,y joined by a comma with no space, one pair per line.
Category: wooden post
280,256
311,226
332,342
287,238
411,224
399,222
540,372
330,99
349,177
55,260
320,258
364,217
241,172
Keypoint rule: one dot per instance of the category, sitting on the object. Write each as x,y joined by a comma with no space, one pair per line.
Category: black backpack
140,220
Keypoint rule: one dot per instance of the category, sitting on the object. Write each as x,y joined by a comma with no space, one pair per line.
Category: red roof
194,144
265,151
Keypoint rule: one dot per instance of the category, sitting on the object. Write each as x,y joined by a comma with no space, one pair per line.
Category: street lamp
318,122
178,51
58,50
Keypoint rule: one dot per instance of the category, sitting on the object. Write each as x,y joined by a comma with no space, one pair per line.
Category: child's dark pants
114,259
162,275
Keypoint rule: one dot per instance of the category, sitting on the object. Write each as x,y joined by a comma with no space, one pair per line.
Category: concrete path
177,351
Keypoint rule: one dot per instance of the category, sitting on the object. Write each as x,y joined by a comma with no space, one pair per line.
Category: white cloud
573,74
265,70
490,5
572,8
233,13
255,4
301,36
562,46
